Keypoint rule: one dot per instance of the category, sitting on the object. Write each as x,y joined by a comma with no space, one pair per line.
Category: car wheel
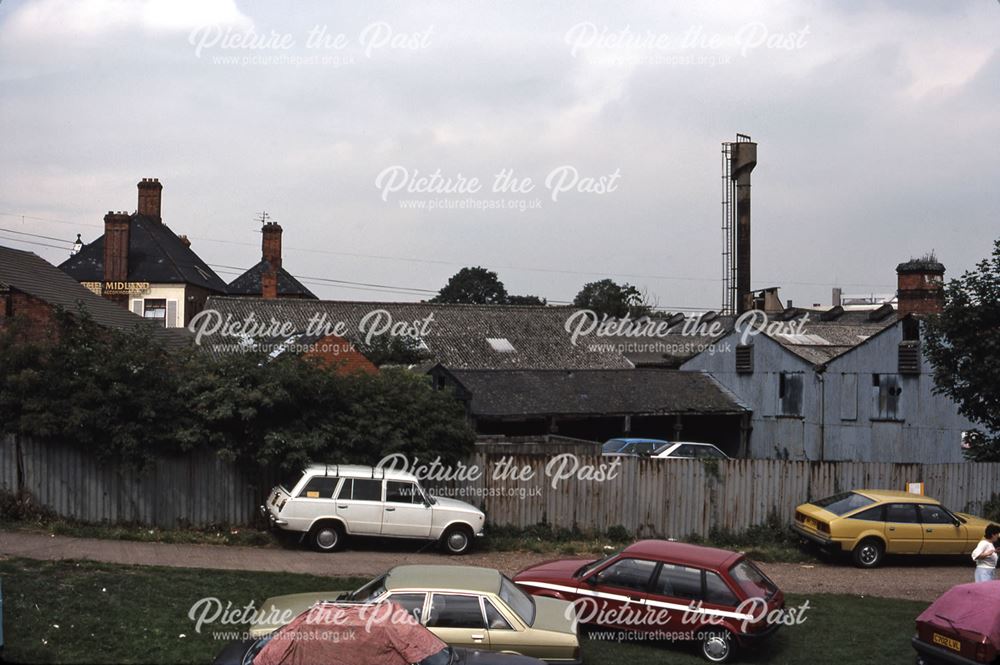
718,646
457,540
869,553
328,537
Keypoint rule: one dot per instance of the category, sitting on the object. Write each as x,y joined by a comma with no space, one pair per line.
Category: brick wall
36,315
339,355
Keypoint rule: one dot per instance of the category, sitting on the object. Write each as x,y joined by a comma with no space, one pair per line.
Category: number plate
954,645
810,523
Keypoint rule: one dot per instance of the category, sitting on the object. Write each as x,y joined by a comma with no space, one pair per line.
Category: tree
124,399
962,344
387,349
111,392
606,298
473,286
525,300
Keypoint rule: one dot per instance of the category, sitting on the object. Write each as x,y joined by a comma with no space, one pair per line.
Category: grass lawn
69,612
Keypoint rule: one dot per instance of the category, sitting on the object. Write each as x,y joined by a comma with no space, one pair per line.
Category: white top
986,562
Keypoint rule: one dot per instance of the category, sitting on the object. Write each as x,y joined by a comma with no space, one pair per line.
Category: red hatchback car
962,627
668,590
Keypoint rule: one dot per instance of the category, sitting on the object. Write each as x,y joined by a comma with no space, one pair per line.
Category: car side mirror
592,580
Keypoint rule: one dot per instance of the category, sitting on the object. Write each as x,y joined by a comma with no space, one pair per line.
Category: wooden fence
664,498
677,498
197,489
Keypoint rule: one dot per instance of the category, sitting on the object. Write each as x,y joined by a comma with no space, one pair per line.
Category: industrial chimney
739,159
920,285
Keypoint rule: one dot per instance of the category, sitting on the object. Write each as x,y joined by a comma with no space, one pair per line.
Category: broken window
885,396
790,394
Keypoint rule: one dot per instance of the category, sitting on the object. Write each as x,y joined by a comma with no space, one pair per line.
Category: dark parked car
717,597
341,634
962,627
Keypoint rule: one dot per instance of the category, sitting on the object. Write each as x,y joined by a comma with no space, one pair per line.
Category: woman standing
985,554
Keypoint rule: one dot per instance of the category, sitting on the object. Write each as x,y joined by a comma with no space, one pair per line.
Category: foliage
479,286
389,349
473,286
126,400
963,345
526,300
607,298
110,392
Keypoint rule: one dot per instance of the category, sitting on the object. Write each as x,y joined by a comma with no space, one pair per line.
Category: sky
876,121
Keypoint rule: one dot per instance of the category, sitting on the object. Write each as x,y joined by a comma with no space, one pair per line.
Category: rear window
753,582
841,504
517,600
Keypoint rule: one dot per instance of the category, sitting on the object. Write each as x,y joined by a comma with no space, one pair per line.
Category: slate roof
511,393
821,341
249,283
672,349
156,255
31,274
458,336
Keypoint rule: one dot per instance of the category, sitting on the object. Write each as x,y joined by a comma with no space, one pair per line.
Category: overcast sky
877,124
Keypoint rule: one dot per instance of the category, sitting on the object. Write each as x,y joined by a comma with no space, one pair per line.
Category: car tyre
457,540
718,646
869,553
328,536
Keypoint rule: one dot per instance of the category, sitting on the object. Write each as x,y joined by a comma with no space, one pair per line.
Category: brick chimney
117,229
149,198
920,286
271,253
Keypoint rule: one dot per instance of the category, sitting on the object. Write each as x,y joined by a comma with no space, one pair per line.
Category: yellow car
872,523
465,606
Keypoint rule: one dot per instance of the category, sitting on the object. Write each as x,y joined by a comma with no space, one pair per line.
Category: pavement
908,578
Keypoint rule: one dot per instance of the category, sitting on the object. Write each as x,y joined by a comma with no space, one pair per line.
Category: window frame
913,506
478,597
597,581
337,483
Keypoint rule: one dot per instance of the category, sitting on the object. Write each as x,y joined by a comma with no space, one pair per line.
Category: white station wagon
331,502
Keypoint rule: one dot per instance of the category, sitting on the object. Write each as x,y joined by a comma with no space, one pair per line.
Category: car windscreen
613,446
753,582
517,600
841,504
591,567
370,591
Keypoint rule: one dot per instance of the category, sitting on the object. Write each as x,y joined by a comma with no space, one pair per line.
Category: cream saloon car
465,606
329,503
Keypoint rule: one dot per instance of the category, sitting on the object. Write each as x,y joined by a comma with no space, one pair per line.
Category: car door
676,588
359,504
903,533
458,620
941,535
503,634
404,512
618,591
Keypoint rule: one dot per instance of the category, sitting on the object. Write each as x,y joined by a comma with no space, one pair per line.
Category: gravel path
909,579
